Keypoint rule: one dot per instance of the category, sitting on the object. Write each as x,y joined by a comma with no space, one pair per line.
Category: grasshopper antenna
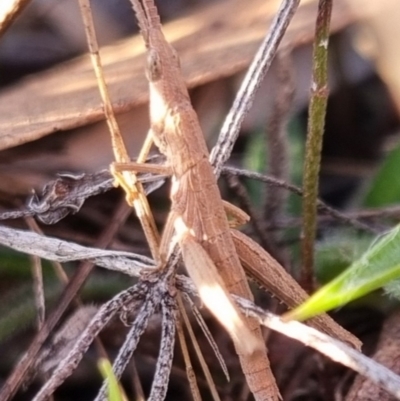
142,19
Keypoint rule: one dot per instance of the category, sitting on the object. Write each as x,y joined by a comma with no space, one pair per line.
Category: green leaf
377,267
114,393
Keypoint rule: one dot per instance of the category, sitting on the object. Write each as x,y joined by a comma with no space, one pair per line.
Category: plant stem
315,129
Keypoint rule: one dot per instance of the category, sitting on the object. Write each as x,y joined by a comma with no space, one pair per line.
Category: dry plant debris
157,290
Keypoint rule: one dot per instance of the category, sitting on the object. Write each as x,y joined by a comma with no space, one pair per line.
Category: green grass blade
379,265
114,393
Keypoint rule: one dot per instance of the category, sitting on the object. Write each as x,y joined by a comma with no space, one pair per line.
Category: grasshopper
212,253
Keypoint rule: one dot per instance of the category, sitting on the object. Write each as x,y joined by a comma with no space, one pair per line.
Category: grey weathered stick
132,339
159,386
254,76
322,206
77,280
67,193
102,317
258,263
64,251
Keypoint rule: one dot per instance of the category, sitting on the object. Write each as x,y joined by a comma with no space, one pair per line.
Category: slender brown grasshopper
212,253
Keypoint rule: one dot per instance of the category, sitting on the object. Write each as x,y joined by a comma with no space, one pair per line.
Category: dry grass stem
203,325
190,374
206,370
134,190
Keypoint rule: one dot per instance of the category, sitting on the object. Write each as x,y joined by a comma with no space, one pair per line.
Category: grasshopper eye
153,67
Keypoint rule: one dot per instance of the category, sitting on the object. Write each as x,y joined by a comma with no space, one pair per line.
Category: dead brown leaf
210,44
